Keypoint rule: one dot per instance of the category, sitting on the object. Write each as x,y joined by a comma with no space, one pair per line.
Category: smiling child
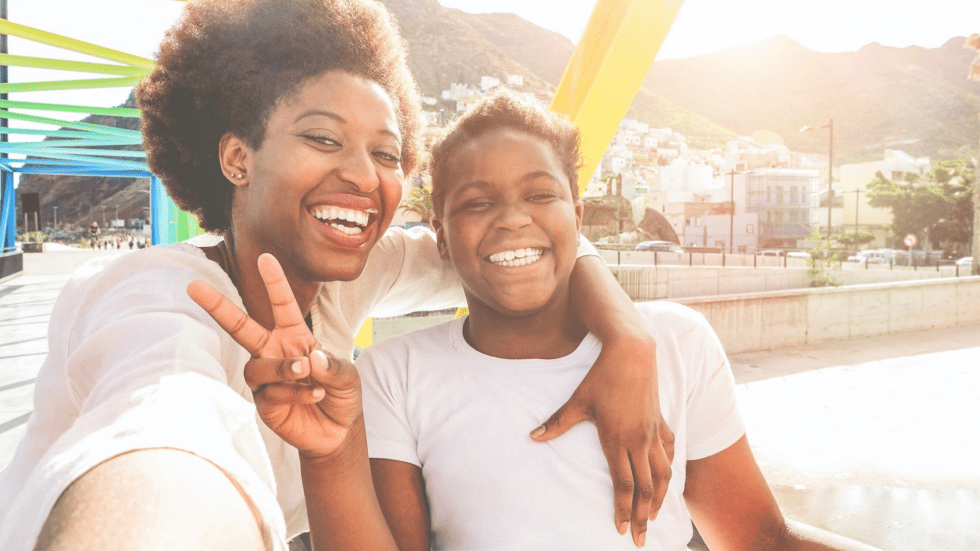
445,407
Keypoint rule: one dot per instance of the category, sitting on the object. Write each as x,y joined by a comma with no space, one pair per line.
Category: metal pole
55,217
731,219
830,182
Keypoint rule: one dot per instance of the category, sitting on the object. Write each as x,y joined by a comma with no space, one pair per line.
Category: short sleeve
389,431
405,273
713,419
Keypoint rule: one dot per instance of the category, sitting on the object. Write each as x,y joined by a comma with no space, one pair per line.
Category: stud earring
237,175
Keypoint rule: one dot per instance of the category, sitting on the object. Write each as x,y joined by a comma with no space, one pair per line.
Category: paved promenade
877,439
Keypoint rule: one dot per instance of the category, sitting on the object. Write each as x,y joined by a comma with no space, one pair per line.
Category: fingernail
318,392
537,432
297,367
623,526
641,540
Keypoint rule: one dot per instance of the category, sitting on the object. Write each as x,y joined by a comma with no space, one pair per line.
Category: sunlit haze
702,26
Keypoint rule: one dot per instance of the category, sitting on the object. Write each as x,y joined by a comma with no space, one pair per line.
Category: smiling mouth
345,220
515,258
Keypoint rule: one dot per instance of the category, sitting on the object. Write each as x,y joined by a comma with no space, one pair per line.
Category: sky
702,26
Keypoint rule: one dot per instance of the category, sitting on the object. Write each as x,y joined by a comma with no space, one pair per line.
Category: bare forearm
602,305
340,499
803,537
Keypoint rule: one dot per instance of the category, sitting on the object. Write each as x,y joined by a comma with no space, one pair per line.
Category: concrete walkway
877,439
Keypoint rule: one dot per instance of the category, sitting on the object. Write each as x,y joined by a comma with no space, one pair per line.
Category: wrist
353,446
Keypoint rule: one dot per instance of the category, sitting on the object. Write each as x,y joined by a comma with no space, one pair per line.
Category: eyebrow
483,184
314,112
342,120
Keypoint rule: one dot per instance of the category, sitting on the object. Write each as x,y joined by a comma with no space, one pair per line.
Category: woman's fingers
292,393
285,311
260,372
246,331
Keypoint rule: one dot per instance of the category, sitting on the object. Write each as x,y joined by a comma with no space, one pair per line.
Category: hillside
915,99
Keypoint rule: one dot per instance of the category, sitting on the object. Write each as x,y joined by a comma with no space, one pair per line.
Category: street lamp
731,218
830,172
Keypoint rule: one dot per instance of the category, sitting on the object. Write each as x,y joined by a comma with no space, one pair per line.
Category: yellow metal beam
607,68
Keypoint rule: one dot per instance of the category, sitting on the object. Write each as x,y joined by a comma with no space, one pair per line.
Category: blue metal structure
76,148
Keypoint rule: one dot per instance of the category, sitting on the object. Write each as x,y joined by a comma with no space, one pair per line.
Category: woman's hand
621,397
311,400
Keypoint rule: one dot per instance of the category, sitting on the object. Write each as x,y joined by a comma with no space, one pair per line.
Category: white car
965,262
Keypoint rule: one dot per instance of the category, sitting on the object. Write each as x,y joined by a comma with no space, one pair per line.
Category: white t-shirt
134,364
433,401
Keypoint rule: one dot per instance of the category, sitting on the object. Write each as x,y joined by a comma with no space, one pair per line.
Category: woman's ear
441,244
579,213
234,156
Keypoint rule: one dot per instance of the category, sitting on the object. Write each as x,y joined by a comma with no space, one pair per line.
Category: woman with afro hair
287,128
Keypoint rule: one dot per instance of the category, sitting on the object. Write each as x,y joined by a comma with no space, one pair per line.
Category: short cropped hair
503,108
227,64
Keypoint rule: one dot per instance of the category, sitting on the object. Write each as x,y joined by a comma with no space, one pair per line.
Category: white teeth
345,229
334,213
519,257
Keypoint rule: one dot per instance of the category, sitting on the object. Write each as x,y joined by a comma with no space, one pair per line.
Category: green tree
855,239
940,204
419,201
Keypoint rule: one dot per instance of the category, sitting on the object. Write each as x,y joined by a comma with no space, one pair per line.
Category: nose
513,216
357,168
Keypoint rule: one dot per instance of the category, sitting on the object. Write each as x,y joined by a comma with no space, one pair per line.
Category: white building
515,80
854,178
488,83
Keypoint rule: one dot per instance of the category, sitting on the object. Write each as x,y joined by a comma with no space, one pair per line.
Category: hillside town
751,195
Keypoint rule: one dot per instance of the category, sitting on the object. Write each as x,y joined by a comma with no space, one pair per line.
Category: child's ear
437,227
579,213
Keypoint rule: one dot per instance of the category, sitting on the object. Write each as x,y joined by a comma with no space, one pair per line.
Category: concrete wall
644,282
757,321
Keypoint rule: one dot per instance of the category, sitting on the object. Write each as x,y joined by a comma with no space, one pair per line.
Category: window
779,194
749,228
769,194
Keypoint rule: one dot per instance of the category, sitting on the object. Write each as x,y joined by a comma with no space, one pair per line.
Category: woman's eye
322,140
389,157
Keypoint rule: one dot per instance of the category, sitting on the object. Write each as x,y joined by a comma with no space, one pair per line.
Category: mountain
915,99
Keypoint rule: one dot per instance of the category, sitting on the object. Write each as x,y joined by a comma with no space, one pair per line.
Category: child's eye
540,196
477,204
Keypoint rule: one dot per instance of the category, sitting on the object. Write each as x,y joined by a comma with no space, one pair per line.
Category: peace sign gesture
311,400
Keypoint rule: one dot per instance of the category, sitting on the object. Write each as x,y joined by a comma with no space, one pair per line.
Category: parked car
965,262
663,246
873,256
799,254
771,252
